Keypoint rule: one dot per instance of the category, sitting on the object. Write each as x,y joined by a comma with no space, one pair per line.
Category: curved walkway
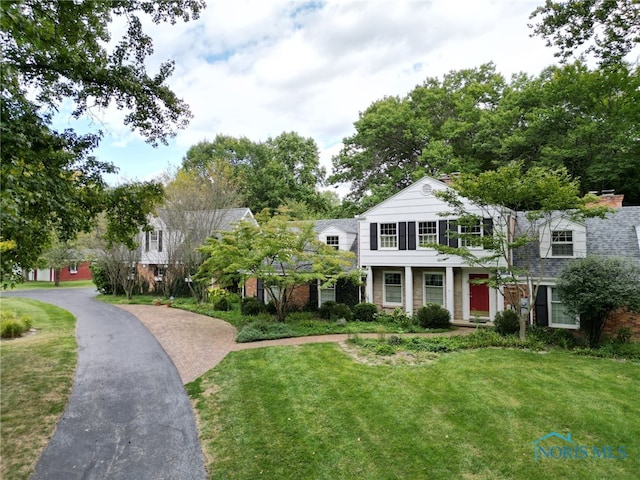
197,343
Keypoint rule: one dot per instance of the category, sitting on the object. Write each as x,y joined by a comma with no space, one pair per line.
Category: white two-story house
403,271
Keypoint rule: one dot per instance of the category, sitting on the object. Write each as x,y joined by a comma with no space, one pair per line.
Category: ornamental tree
521,203
595,287
283,254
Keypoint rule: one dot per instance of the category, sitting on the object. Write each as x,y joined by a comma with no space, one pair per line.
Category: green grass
312,412
40,285
36,381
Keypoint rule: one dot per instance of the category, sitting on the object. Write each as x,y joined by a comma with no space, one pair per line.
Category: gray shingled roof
613,236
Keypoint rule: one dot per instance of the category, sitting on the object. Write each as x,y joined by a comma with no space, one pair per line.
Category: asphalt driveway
129,417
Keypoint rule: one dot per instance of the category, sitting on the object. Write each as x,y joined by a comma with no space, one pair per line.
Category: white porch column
448,293
368,290
408,290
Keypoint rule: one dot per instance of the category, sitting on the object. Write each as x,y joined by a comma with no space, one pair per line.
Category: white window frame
388,238
73,268
161,271
154,240
554,304
562,239
476,230
333,241
385,288
327,294
425,288
431,237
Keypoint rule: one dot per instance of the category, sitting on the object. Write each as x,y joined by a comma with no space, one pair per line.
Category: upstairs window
473,231
153,241
388,235
333,241
562,243
427,233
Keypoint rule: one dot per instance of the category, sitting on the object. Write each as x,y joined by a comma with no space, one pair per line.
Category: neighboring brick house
74,271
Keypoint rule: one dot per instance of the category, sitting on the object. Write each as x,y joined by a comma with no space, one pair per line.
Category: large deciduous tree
283,254
55,52
570,116
608,29
268,174
430,131
521,203
595,287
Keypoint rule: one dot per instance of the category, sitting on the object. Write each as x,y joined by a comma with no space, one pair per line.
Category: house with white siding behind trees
404,271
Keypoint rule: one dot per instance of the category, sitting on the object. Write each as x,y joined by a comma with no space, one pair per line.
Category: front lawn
38,285
313,412
36,381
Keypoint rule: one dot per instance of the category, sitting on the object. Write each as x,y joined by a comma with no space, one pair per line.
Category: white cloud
254,68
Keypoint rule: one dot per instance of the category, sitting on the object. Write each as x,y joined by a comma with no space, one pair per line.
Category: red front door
478,296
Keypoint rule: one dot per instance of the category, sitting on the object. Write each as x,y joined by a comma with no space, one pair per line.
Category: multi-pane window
328,294
559,314
333,241
73,268
393,288
159,273
434,288
471,232
388,235
427,233
562,243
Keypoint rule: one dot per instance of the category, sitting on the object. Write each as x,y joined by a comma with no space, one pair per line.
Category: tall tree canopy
58,51
608,29
268,174
473,120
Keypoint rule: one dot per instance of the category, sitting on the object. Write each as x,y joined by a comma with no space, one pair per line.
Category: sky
257,68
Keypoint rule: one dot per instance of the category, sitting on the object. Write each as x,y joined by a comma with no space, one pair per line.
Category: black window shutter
146,241
541,307
453,227
487,227
442,232
313,293
373,236
402,237
260,290
411,235
160,240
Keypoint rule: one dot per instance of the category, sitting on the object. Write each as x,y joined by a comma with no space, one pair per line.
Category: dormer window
562,243
333,241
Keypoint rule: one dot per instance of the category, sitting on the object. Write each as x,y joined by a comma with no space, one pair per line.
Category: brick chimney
608,198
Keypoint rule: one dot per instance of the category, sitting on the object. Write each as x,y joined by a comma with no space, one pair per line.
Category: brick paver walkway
197,343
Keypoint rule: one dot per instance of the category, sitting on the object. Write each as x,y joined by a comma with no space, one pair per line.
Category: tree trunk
56,277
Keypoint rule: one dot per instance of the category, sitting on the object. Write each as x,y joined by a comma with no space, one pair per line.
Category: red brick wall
83,273
251,287
620,319
300,296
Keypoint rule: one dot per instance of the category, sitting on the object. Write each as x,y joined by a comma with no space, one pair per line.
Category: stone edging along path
197,343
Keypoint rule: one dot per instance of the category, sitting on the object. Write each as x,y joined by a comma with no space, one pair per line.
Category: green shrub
563,338
251,306
326,309
11,328
223,304
365,312
385,349
624,335
264,330
330,309
342,311
433,315
507,322
397,318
